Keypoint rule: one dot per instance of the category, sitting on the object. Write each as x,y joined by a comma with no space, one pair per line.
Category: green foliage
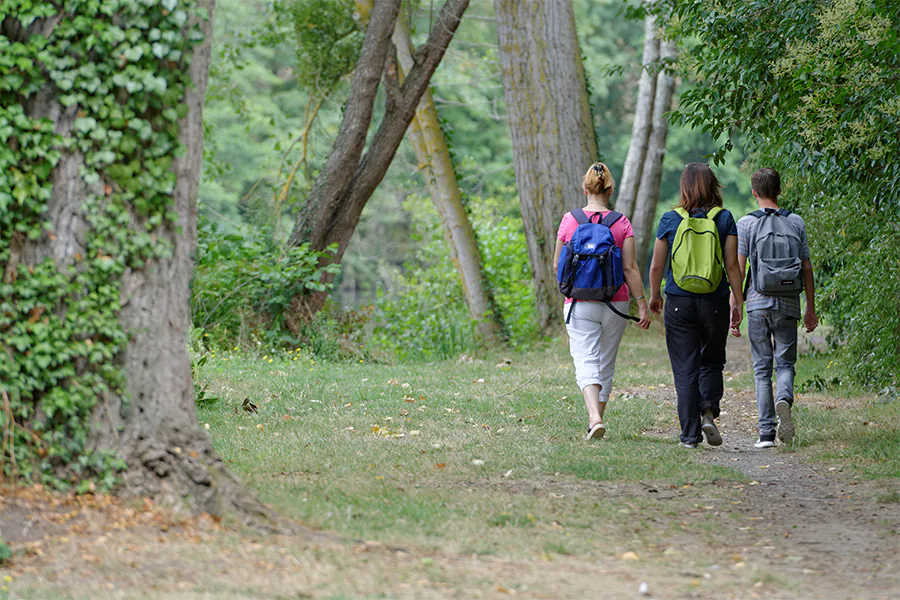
244,282
425,317
812,86
120,68
328,39
508,272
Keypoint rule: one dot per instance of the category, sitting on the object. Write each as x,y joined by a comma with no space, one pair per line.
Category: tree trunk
427,139
651,175
155,430
643,122
551,128
332,210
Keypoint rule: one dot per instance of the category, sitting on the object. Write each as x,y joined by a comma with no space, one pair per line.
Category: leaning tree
354,168
101,130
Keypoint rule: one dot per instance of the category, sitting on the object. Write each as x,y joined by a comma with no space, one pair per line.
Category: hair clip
598,168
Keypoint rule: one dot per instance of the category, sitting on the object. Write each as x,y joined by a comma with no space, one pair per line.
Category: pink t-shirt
621,229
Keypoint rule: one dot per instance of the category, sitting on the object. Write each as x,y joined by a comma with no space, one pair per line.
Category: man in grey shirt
772,320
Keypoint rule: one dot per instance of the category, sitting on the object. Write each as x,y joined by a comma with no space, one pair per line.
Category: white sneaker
692,446
764,444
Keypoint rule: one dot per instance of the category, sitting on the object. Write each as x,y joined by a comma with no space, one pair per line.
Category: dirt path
813,520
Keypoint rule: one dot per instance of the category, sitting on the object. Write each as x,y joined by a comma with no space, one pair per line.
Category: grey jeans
773,339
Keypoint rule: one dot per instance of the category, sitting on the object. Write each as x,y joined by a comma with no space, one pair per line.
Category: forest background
397,295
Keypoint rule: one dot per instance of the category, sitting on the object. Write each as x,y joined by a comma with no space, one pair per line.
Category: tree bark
643,122
427,139
551,128
651,174
155,431
332,210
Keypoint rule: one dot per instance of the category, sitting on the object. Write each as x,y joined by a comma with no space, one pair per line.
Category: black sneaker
713,437
765,441
785,421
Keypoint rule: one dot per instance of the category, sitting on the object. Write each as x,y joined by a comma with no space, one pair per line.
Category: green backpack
697,264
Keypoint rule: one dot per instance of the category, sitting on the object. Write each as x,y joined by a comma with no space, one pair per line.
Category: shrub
244,282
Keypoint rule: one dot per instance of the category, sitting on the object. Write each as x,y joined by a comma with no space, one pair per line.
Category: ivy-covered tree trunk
331,212
551,126
94,357
427,139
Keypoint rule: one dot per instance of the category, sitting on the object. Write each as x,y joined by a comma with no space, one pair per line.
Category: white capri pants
594,336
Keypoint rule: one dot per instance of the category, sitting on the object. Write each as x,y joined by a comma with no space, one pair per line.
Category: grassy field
486,456
470,479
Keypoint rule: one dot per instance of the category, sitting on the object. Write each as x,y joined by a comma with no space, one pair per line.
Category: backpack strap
784,212
714,212
621,314
571,308
611,217
759,214
580,217
682,213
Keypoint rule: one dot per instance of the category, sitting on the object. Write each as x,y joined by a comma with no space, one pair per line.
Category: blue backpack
590,264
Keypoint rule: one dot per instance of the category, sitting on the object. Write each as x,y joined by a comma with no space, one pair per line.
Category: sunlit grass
480,456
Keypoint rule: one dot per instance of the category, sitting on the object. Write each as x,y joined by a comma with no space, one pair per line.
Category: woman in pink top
594,330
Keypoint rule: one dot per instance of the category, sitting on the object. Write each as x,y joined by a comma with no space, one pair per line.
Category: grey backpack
775,267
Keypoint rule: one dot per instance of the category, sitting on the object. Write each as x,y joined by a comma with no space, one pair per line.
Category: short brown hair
699,188
766,183
598,180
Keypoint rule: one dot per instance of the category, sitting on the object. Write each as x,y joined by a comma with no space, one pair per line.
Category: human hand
643,315
737,315
735,331
656,304
810,321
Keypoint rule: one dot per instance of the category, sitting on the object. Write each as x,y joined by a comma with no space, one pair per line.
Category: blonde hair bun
598,180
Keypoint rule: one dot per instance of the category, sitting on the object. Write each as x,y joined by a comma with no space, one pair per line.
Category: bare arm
657,267
633,279
810,320
557,252
733,270
742,263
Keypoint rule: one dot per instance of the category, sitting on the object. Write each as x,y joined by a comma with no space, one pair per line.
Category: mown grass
484,457
475,456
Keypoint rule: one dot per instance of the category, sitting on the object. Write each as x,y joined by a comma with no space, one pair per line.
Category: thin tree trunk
551,127
332,210
643,122
155,430
427,139
651,176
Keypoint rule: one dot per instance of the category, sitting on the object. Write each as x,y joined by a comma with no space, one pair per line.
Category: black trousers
696,333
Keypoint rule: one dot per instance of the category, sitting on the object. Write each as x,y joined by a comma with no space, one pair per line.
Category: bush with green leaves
425,316
812,87
244,282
